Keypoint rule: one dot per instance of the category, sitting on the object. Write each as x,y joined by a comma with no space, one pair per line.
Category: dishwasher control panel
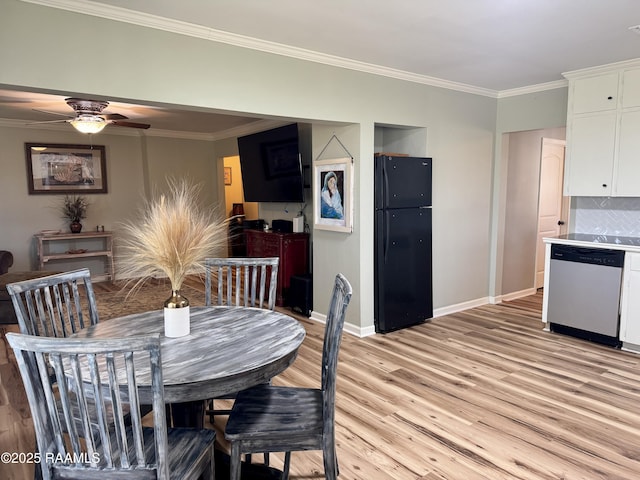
595,256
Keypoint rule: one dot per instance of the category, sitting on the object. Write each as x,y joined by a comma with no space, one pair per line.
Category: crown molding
541,87
183,28
253,127
65,127
247,129
610,67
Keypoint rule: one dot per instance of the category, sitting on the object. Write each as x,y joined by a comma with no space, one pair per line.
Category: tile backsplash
607,215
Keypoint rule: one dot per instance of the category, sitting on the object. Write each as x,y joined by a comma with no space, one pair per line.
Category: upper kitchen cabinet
603,146
631,85
595,94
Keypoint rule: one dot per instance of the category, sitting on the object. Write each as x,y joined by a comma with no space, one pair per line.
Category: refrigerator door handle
385,190
386,239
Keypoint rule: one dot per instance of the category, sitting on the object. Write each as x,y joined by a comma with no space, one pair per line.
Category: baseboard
630,347
362,332
459,307
513,295
348,327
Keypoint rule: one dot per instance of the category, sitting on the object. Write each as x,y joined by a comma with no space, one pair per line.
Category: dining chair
55,306
268,418
240,282
98,378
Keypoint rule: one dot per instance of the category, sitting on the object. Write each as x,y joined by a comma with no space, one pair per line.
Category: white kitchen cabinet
595,94
589,170
631,88
628,165
603,120
630,303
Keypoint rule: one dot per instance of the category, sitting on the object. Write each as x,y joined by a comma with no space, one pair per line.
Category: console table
101,247
291,248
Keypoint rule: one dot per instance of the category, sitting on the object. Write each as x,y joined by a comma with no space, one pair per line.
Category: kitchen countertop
629,244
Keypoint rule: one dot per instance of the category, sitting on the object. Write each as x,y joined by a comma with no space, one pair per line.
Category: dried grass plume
172,235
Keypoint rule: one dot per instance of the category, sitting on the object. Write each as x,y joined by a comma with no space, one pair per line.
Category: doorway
233,191
523,153
553,207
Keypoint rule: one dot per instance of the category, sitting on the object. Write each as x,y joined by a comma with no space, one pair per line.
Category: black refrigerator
403,263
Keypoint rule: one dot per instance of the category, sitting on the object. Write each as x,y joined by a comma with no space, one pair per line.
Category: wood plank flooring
481,394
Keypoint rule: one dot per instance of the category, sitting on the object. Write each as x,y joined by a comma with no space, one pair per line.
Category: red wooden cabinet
291,248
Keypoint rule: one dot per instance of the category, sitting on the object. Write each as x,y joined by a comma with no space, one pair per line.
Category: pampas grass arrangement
172,236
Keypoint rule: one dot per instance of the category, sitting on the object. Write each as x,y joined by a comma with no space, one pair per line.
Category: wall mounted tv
271,165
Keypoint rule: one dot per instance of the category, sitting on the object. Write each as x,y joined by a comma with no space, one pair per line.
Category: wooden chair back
268,418
55,306
97,380
340,299
242,282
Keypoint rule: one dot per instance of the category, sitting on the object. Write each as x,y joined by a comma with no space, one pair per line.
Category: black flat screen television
271,166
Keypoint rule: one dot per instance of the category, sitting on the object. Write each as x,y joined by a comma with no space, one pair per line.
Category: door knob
560,222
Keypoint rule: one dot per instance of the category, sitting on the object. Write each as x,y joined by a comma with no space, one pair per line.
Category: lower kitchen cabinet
630,303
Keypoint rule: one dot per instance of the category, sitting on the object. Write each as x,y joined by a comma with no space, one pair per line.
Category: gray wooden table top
228,349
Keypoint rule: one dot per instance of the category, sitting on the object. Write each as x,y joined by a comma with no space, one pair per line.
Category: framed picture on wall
60,168
227,175
333,194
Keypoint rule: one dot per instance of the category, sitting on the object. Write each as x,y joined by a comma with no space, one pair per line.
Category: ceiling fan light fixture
88,123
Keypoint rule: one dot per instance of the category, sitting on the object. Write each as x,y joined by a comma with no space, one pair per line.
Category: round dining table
227,350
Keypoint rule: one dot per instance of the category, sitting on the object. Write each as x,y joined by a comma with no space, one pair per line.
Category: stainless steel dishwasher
584,292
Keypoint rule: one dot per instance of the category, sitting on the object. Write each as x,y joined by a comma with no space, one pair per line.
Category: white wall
39,49
334,252
127,155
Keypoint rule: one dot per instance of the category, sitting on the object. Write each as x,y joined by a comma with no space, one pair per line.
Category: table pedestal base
188,414
250,471
191,414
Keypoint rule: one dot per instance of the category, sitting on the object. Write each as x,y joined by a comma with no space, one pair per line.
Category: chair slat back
55,306
242,282
98,431
340,299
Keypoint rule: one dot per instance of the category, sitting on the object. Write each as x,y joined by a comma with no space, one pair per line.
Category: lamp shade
238,209
88,123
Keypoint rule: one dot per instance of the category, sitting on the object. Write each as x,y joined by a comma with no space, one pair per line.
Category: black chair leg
210,407
287,464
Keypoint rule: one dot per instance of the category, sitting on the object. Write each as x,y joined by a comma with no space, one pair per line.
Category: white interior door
553,208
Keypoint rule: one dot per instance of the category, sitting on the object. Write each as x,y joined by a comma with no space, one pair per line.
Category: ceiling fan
89,117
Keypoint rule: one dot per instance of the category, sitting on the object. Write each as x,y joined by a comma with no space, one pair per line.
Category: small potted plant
74,209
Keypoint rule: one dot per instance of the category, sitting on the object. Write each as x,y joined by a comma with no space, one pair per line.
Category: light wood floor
481,394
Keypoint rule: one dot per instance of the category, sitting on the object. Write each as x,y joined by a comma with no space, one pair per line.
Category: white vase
177,322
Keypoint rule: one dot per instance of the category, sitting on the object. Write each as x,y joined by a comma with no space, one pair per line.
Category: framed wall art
227,175
333,194
59,168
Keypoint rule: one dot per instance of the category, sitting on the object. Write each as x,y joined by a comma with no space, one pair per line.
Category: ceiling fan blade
130,124
113,116
47,121
53,113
